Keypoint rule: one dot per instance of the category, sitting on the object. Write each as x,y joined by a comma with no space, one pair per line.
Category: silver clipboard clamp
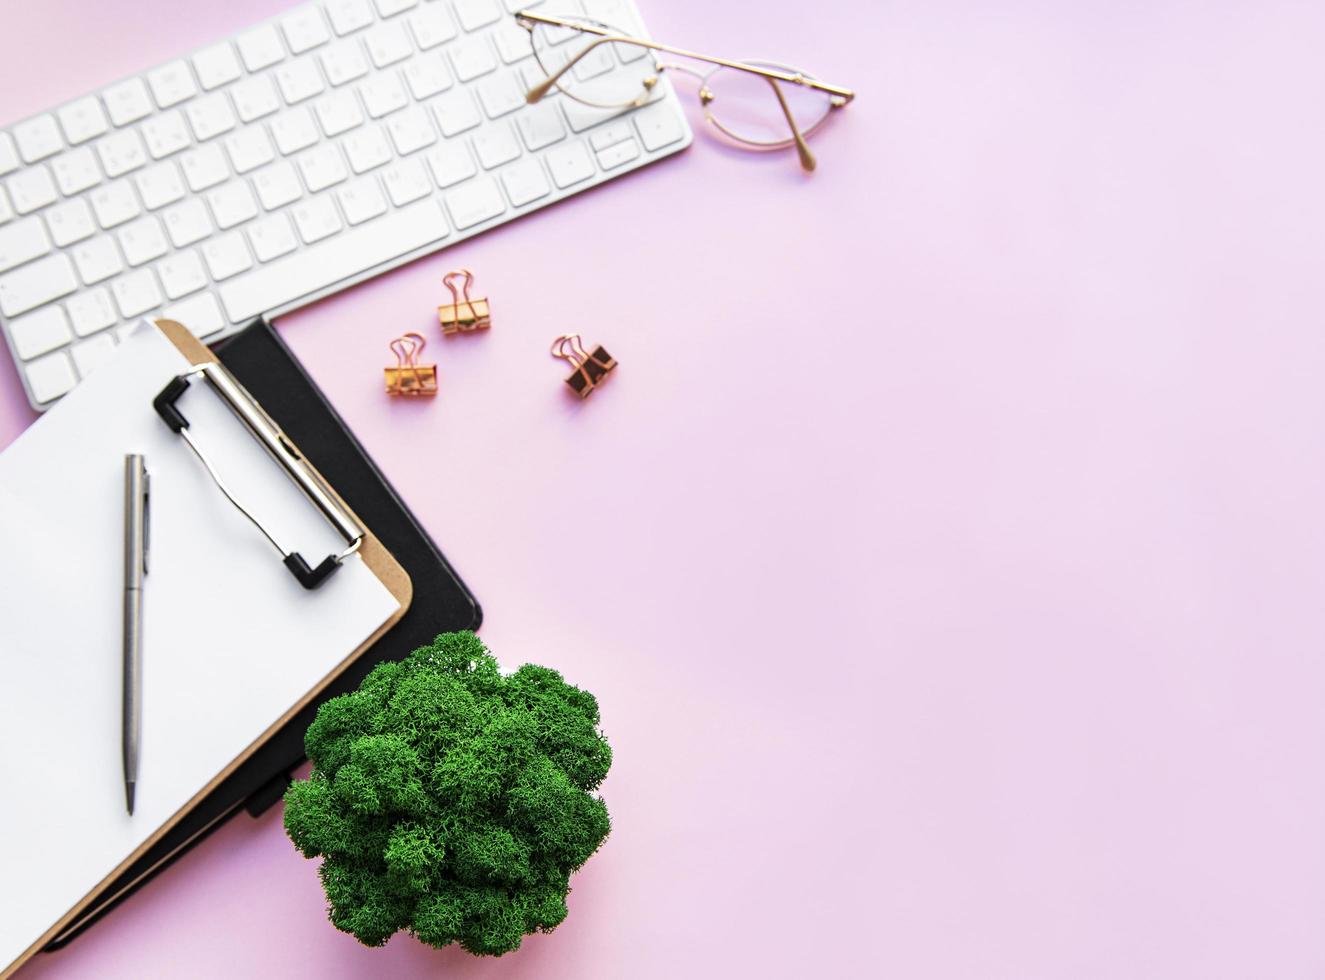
279,447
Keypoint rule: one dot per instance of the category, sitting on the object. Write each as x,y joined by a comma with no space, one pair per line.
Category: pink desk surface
948,551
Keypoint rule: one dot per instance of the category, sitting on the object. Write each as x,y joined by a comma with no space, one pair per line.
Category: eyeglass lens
609,75
746,107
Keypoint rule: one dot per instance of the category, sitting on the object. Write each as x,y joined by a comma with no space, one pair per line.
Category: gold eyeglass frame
839,97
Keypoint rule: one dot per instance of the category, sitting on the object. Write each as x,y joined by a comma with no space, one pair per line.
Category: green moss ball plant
451,801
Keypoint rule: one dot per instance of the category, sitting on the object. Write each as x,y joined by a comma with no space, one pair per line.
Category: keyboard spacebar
326,263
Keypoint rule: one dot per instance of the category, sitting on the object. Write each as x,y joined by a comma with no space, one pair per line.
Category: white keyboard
327,145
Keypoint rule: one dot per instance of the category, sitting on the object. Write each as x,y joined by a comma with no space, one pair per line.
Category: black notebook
267,368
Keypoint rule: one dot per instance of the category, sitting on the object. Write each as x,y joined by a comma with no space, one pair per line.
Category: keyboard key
344,62
260,47
474,14
36,284
316,218
90,353
322,167
272,237
38,138
389,8
6,209
431,26
525,182
474,203
21,242
181,274
304,29
513,42
541,125
411,130
367,148
136,293
361,199
142,240
121,152
165,134
387,44
232,204
500,95
428,74
611,135
90,311
98,259
69,222
201,314
210,116
608,12
582,117
450,163
77,170
278,283
532,74
406,181
82,120
8,154
348,15
294,131
569,164
277,185
299,80
255,98
204,167
338,113
495,146
50,377
618,154
472,57
171,84
31,189
598,61
383,94
456,112
249,149
226,256
127,102
187,222
216,65
40,333
659,125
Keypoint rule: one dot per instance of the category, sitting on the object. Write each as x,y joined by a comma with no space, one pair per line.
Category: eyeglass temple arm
802,148
545,86
529,19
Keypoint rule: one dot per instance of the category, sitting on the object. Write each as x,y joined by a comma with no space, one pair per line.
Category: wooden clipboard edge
379,561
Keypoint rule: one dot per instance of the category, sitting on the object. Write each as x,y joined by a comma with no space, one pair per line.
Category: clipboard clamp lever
279,447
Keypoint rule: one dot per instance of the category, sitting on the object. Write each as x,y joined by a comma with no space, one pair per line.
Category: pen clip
147,516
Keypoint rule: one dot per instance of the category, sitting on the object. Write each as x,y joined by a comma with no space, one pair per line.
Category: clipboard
267,368
374,556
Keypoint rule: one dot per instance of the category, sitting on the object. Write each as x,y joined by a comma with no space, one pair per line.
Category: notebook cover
260,360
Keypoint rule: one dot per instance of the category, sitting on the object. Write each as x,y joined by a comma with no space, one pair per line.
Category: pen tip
128,796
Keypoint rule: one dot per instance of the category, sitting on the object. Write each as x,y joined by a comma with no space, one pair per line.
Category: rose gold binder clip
590,369
463,315
409,377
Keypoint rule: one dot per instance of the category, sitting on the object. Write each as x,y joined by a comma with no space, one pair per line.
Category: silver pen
136,528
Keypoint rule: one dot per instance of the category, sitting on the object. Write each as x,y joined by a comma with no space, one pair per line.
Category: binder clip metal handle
590,369
409,377
462,313
279,447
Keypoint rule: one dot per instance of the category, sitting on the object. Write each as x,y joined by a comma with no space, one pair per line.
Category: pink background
947,552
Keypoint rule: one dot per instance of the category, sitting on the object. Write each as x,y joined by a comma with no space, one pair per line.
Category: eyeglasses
757,104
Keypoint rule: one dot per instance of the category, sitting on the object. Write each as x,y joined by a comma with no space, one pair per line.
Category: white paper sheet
232,641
